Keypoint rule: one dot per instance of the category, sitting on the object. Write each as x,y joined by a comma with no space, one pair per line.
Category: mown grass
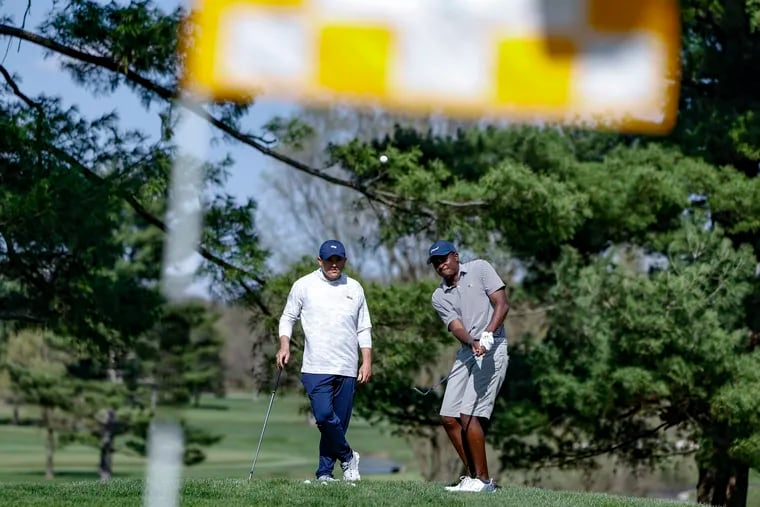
289,449
375,493
288,456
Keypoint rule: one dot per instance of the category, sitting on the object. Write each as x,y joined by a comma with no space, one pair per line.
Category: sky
39,75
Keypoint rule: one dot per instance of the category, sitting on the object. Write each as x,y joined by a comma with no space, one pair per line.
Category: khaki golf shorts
474,384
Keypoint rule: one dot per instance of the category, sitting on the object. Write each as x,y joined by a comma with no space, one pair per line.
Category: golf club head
420,391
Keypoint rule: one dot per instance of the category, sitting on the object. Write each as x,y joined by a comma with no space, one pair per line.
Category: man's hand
283,355
477,347
365,372
486,340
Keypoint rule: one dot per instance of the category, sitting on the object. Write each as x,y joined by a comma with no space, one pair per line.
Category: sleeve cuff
365,338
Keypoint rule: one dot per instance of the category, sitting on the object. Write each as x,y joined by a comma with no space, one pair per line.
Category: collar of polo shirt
324,278
462,271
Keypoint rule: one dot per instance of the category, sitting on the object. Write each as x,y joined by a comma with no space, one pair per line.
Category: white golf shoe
351,468
456,487
324,479
477,486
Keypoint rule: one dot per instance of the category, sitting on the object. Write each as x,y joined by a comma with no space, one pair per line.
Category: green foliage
407,336
138,36
180,357
630,355
37,371
59,246
719,83
81,199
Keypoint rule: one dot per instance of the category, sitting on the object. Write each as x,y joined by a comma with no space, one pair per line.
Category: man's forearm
497,319
366,356
500,304
460,333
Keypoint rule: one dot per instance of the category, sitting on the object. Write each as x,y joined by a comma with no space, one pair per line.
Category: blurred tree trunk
16,418
49,443
723,481
106,445
153,397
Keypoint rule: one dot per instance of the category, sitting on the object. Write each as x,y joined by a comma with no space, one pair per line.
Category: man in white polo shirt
472,303
336,324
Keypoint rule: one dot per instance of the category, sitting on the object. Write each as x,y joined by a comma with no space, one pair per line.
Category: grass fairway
287,458
290,492
289,449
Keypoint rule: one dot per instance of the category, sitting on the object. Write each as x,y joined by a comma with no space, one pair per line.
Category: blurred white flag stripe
457,54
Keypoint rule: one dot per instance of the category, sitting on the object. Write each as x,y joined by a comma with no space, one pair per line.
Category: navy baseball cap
440,247
332,247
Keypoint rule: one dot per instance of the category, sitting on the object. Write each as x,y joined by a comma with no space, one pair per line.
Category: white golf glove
486,340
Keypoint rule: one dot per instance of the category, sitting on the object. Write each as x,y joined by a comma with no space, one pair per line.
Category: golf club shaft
452,372
266,418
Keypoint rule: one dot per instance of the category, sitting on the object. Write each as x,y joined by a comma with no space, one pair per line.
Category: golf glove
486,340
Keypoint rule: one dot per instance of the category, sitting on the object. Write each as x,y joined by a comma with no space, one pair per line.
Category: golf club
444,379
266,418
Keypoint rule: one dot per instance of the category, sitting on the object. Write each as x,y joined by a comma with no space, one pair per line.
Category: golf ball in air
383,159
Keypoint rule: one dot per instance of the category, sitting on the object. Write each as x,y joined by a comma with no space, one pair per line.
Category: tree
80,244
103,412
37,373
78,194
179,358
203,358
635,361
59,249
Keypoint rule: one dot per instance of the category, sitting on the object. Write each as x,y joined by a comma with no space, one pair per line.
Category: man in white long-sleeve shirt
336,325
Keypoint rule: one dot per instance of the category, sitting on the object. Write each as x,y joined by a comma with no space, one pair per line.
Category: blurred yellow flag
610,64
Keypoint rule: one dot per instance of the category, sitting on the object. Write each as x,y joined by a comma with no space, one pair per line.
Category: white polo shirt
335,320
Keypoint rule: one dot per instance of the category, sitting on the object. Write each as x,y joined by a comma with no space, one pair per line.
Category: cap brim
444,254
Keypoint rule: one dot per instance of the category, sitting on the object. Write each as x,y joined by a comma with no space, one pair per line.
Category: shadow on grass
209,406
8,421
74,475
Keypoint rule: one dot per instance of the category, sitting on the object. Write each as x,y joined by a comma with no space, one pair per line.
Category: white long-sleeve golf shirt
335,320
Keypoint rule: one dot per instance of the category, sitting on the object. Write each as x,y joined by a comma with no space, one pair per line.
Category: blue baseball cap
440,247
331,247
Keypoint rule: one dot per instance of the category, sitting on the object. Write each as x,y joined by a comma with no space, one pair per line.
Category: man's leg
326,462
456,434
343,405
450,407
477,405
332,443
475,443
343,400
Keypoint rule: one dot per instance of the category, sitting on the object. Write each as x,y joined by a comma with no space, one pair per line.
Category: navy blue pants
332,400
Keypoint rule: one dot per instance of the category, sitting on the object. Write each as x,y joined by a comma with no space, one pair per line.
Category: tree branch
383,197
22,317
598,451
131,199
171,96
